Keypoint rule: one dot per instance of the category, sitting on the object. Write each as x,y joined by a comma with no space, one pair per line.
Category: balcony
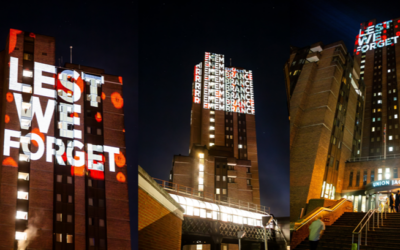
248,175
314,56
232,173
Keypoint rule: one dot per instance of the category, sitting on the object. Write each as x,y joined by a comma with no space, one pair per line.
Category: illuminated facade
345,148
63,173
223,147
326,97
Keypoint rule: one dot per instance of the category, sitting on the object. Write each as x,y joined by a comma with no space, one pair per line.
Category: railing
373,158
280,231
322,209
366,220
175,188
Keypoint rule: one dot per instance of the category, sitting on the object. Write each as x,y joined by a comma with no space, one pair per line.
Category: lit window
89,183
201,187
69,179
379,110
212,120
211,144
217,190
395,116
201,181
373,119
240,145
212,128
58,197
20,236
224,178
22,195
212,112
59,217
101,222
27,73
379,93
201,167
390,137
59,237
90,202
23,157
21,215
387,173
390,149
23,176
217,177
70,238
59,178
212,136
379,101
69,218
91,242
374,110
224,191
373,129
201,156
69,198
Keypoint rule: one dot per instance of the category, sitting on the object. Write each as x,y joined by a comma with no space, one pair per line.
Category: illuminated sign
391,182
62,92
239,91
214,81
227,89
374,36
197,83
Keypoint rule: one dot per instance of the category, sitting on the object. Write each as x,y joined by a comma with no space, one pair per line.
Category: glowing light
37,131
13,40
120,79
10,162
9,97
117,100
103,96
7,119
121,177
97,174
120,160
98,117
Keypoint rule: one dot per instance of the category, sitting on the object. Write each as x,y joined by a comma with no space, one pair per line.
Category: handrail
366,225
280,231
211,197
371,158
319,211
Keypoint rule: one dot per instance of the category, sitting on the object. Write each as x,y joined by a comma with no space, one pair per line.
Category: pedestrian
397,201
391,203
316,229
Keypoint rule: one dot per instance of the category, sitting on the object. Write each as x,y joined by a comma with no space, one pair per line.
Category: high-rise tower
223,147
63,170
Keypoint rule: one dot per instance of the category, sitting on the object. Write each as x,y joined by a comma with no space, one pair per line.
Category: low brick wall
328,217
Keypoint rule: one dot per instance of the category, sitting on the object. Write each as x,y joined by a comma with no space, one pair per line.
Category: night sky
102,36
330,21
172,39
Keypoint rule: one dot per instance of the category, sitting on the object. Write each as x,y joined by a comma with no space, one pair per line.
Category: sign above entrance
390,182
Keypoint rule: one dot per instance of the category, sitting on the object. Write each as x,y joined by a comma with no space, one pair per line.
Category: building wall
159,216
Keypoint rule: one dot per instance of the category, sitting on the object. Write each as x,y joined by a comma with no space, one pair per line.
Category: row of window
387,175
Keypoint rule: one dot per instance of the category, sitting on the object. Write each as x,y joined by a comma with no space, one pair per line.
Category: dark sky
103,36
330,21
172,39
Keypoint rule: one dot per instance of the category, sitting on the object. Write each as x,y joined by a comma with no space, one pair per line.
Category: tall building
326,97
63,173
372,172
223,150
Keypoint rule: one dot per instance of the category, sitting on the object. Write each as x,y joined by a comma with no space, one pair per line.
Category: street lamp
266,220
240,235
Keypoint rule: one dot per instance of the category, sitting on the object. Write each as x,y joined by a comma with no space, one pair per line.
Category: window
395,174
217,190
379,101
20,236
88,130
23,176
90,202
59,237
69,198
379,174
22,195
211,135
28,57
240,146
373,129
27,73
91,242
365,178
102,243
59,217
70,238
395,116
69,218
224,178
21,215
351,179
390,137
59,178
101,203
90,221
101,222
358,179
249,182
58,197
212,128
372,175
390,149
224,191
69,179
387,173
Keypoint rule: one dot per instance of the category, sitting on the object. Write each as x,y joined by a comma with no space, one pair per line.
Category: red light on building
121,177
37,131
7,119
13,40
97,174
120,159
117,100
98,117
32,35
370,23
384,31
103,96
120,79
10,162
9,97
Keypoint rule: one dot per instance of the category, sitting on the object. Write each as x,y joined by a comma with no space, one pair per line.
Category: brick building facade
63,175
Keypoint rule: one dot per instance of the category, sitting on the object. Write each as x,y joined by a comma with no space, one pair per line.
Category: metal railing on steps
365,225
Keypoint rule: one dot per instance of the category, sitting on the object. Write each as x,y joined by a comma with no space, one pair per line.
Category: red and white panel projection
197,83
214,81
239,91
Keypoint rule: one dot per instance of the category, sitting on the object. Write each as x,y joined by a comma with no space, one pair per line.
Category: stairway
339,235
